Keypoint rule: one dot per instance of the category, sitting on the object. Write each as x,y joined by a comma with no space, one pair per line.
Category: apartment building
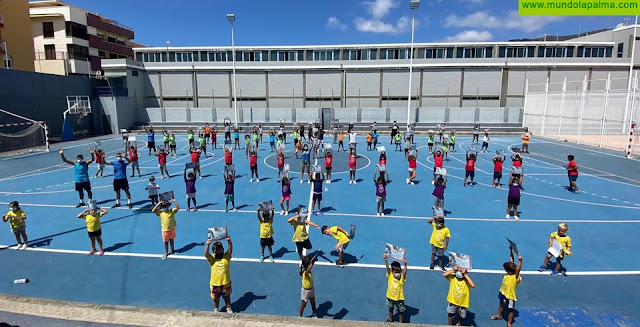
71,41
16,47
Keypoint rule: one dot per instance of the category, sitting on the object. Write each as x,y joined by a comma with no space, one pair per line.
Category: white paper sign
460,260
555,249
395,252
217,233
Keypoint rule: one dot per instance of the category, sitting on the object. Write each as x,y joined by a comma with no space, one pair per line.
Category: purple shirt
191,186
381,191
228,187
438,192
514,191
286,190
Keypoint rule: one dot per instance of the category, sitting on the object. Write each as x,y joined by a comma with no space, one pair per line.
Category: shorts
306,162
206,136
437,251
430,144
485,144
505,301
172,146
280,169
254,168
190,141
229,197
162,165
120,184
203,148
83,186
191,195
19,229
135,164
453,309
328,169
368,143
573,178
151,144
266,241
101,167
352,168
352,145
317,197
96,233
306,244
469,173
343,247
341,143
196,164
169,235
397,304
411,170
513,201
306,294
497,175
153,198
381,199
217,291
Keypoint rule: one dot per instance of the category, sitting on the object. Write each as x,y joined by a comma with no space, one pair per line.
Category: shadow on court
244,302
281,252
323,311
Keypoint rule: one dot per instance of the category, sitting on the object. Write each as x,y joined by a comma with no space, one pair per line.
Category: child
526,139
280,165
510,282
572,171
328,164
286,195
430,141
152,189
247,145
412,167
318,179
165,138
513,199
305,164
458,297
220,282
236,138
253,165
229,183
300,235
375,139
382,161
398,139
266,233
335,132
203,143
162,162
452,141
228,155
561,237
298,149
195,159
497,170
190,137
353,139
438,192
172,145
133,158
16,217
441,132
100,162
369,141
207,133
437,163
214,138
296,136
396,277
407,148
485,142
381,193
476,134
470,168
353,157
321,139
439,240
260,131
92,218
190,183
167,224
343,241
280,141
341,141
307,293
151,138
256,138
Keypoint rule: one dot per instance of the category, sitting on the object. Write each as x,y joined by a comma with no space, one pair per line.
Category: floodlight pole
414,6
629,81
232,18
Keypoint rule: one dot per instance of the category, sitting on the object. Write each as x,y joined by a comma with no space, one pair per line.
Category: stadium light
414,5
232,18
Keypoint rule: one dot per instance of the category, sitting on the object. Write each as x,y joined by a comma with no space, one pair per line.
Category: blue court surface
603,275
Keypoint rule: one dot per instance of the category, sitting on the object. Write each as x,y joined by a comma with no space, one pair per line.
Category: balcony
113,27
99,43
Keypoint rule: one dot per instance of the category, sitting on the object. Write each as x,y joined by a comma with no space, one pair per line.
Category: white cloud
374,25
334,23
470,36
482,19
380,8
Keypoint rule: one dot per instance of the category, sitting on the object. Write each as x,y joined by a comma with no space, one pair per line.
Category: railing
1,20
111,91
57,55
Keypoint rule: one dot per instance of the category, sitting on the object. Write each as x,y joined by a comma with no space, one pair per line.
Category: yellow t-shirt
525,138
299,231
438,235
395,287
458,291
93,221
220,270
307,281
167,219
565,241
15,219
509,285
340,236
266,229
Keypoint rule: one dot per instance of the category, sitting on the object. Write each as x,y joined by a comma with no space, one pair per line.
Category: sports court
603,275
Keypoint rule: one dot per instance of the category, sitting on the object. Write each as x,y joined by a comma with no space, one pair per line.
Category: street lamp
414,5
232,18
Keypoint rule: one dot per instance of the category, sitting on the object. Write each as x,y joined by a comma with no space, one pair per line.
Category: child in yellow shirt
395,287
167,224
220,282
561,237
507,294
307,293
439,240
343,241
16,218
92,216
266,233
458,297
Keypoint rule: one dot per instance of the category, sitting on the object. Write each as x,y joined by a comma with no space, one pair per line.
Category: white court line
374,216
586,149
322,263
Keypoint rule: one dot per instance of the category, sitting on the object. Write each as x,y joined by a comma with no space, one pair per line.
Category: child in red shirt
572,171
214,138
328,165
497,170
352,165
228,155
280,164
162,162
253,164
470,167
133,158
195,158
412,167
437,163
100,162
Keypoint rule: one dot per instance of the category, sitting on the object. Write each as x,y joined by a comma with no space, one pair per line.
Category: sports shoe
101,252
515,217
433,183
316,212
308,181
225,210
407,181
442,268
17,247
24,247
554,273
286,213
282,213
313,316
271,259
327,182
278,180
257,180
234,210
301,182
431,267
382,214
378,214
542,268
261,259
229,310
251,180
507,216
91,252
162,177
200,177
354,182
350,182
81,204
412,183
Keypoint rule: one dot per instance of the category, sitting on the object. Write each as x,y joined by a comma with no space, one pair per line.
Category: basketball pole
42,124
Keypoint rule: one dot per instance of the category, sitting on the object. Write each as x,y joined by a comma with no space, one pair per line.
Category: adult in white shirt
352,139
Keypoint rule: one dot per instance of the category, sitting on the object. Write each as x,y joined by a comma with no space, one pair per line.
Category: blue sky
299,22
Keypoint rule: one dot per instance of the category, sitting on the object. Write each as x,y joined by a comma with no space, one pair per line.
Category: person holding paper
92,215
413,171
470,167
253,166
190,183
190,137
439,240
227,131
318,180
370,141
195,159
381,192
396,277
167,224
300,235
438,192
229,192
307,293
497,169
286,195
266,232
202,142
430,141
100,162
162,162
394,131
133,158
375,139
172,145
220,282
214,138
341,140
353,157
507,294
438,157
560,237
328,164
343,241
458,297
485,142
81,174
305,164
476,133
165,138
513,198
151,138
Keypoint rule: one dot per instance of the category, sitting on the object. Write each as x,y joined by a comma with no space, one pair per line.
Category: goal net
18,133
